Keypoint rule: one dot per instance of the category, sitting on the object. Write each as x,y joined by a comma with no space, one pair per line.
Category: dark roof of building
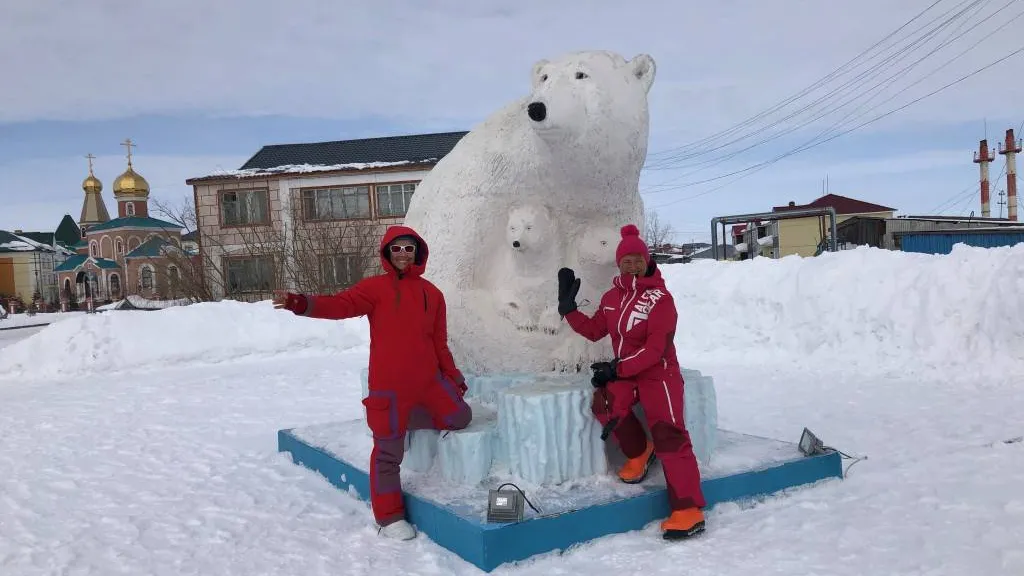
134,222
68,233
41,237
20,243
73,262
152,248
411,148
841,204
361,154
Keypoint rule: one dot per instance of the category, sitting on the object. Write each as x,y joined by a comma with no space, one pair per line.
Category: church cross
128,144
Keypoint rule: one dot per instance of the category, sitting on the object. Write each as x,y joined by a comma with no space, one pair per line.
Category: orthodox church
133,254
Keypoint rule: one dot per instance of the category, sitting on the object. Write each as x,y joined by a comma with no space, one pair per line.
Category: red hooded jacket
408,320
640,315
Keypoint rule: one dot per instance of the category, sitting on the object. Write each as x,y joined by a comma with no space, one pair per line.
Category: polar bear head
528,227
597,245
594,96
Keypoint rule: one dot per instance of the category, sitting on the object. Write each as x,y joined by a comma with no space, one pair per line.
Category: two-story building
308,216
806,236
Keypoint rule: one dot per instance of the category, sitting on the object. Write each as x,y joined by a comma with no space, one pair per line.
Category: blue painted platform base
454,516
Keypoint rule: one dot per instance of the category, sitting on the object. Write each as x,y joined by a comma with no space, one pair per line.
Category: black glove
568,286
604,372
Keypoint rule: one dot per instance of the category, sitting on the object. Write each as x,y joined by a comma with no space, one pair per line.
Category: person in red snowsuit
413,380
639,314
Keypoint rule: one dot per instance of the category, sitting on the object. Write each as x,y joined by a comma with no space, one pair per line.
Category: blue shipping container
942,243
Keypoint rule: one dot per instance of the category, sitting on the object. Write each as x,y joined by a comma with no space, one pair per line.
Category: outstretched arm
661,329
355,301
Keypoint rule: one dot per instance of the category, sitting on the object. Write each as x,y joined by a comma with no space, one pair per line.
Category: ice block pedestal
547,431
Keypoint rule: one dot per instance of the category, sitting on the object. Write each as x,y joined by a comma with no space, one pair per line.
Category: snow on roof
310,168
17,243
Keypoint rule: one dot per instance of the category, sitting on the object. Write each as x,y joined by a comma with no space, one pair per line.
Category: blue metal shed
942,241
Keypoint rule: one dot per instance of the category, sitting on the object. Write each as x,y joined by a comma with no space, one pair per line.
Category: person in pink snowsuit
639,314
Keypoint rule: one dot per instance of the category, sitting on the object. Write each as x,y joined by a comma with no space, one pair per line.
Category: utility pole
1001,202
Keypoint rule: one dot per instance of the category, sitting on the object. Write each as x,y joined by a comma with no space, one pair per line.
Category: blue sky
200,87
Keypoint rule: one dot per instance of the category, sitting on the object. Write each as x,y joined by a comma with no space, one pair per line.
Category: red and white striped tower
984,157
1009,148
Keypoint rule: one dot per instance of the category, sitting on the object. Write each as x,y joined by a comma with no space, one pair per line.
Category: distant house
308,216
27,262
806,236
764,234
887,232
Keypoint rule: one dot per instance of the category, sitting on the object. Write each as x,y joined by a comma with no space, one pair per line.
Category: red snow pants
390,414
662,401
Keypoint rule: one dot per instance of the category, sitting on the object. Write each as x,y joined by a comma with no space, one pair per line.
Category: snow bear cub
533,254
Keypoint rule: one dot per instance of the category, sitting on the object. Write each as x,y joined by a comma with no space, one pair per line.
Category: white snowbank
207,332
869,309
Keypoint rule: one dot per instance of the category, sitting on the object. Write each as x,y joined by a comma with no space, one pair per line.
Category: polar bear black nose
515,243
537,111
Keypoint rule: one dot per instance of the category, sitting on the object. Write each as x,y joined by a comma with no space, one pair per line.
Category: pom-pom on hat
631,244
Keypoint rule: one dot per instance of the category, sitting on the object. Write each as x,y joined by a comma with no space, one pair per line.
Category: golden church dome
92,184
130,184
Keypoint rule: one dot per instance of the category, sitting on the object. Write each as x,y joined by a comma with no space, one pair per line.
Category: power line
858,80
812,144
807,89
666,186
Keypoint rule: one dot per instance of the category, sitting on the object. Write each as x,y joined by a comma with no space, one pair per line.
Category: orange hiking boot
635,469
683,524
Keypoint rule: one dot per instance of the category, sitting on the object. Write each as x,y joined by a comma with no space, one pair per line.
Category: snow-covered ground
21,319
149,447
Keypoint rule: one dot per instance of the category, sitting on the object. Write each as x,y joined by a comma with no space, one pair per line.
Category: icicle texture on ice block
465,456
701,413
547,431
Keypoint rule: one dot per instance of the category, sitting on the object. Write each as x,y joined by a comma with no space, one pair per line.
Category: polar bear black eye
581,76
544,78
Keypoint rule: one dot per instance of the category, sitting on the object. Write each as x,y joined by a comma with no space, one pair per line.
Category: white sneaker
400,530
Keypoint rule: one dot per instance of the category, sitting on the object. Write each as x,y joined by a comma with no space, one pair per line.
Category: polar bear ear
642,67
538,72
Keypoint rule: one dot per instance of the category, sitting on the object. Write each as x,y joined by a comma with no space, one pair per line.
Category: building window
146,280
173,281
336,203
129,208
120,247
393,199
244,207
115,285
249,274
94,249
341,270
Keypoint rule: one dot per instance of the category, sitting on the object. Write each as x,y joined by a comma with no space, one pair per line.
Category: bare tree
307,256
656,232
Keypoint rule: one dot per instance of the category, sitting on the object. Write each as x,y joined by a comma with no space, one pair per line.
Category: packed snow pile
870,309
206,332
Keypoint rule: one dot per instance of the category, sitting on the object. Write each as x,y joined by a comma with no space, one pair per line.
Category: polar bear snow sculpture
572,150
